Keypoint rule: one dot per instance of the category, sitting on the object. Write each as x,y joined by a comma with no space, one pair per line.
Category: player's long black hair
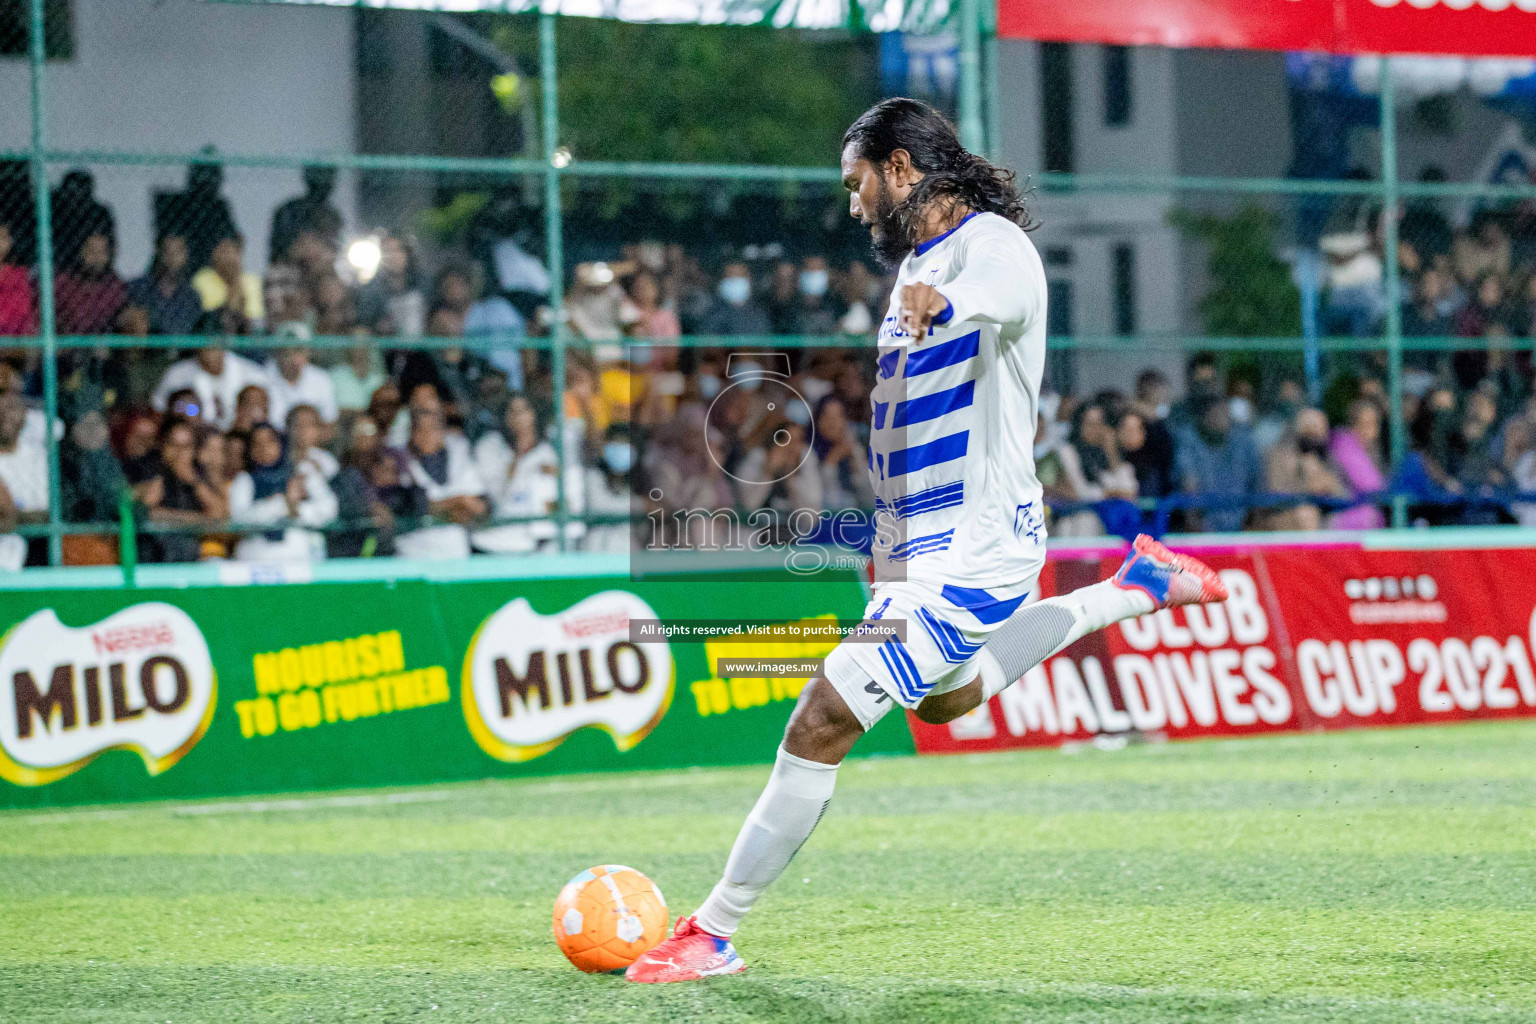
951,174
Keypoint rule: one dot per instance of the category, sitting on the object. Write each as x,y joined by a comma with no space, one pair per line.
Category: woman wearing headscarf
272,492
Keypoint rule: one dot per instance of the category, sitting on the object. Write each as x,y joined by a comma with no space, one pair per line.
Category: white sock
1037,631
793,802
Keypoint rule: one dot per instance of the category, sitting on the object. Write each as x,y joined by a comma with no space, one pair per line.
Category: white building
172,76
1116,265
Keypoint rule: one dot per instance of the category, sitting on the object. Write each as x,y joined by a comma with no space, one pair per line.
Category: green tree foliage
701,93
1252,294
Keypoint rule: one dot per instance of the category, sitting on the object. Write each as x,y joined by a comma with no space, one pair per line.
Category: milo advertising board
204,691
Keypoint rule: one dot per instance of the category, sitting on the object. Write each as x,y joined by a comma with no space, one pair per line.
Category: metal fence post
1397,429
554,254
972,131
992,108
38,56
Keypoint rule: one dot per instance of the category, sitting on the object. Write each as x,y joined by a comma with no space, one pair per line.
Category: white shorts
945,629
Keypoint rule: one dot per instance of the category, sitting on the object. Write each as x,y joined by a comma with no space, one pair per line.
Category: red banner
1310,639
1460,27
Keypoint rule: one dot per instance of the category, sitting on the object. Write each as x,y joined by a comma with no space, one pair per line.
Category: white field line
243,806
688,777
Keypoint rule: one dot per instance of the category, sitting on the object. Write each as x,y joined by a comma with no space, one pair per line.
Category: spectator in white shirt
274,492
454,488
304,433
23,480
521,471
296,382
424,397
217,376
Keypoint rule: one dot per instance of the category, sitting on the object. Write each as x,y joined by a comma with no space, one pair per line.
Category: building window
1060,370
58,28
1117,86
1056,101
1125,289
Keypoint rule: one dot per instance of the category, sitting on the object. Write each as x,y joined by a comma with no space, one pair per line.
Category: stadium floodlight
365,255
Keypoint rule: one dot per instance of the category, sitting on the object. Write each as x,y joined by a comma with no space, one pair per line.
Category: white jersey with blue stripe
953,416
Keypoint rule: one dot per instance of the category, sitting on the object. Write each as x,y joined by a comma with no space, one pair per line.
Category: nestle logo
1392,588
594,625
121,639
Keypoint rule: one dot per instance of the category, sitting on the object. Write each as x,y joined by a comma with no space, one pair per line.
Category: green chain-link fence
140,262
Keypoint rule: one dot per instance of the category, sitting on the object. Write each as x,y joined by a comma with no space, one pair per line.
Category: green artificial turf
1364,877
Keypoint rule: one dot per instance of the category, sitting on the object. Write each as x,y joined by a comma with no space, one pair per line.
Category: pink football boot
690,954
1170,580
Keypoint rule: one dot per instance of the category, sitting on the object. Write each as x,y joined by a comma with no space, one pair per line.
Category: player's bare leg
820,733
1151,577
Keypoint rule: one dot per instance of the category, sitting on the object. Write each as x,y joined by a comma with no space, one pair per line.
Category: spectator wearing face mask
1154,458
1240,402
813,315
857,290
1298,464
1274,424
1202,386
607,493
736,313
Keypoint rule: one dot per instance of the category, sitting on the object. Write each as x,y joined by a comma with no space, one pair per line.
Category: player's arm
1000,282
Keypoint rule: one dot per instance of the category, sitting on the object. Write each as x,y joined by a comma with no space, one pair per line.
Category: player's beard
887,236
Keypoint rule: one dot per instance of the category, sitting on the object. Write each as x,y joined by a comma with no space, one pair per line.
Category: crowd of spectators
376,444
373,443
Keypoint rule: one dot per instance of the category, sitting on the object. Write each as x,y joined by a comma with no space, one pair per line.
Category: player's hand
920,303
